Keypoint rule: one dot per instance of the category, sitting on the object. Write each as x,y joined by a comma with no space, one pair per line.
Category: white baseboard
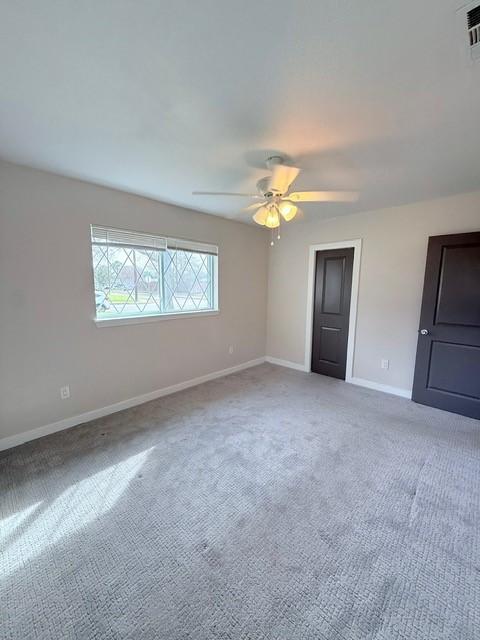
285,363
361,382
66,423
369,384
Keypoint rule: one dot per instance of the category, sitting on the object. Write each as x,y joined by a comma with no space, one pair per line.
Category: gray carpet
270,504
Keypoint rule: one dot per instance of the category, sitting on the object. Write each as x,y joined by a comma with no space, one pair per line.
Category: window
138,274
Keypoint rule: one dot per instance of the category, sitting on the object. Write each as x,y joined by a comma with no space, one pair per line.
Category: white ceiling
162,97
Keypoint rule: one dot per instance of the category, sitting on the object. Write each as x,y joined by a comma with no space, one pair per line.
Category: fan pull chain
272,241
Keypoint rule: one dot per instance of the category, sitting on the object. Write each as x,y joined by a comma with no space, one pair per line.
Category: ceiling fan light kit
261,216
288,210
273,219
269,214
277,202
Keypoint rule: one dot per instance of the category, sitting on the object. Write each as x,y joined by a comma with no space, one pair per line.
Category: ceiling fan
277,201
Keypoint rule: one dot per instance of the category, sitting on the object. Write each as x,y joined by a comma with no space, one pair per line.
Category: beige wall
48,337
391,281
47,334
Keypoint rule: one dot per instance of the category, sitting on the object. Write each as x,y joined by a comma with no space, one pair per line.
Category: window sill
113,322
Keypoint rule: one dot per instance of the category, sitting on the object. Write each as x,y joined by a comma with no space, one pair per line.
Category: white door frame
344,244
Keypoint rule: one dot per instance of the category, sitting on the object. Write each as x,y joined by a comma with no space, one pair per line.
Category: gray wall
391,281
47,334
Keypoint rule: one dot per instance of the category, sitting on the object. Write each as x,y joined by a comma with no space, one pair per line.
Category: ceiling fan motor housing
263,188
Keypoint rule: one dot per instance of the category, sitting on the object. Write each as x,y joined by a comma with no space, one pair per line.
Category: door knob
424,332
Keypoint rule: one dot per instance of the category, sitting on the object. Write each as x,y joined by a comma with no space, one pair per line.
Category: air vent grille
473,21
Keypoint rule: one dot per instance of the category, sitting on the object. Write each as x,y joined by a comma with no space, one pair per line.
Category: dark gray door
331,311
447,369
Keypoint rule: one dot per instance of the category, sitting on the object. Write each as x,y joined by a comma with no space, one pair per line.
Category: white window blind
124,237
119,237
194,247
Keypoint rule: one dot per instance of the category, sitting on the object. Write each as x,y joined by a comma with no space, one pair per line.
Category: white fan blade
282,178
225,193
323,196
255,205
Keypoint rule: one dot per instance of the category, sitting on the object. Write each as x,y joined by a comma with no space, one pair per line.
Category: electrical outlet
65,392
230,349
385,363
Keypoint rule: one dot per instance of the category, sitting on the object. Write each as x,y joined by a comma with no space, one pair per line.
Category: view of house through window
138,274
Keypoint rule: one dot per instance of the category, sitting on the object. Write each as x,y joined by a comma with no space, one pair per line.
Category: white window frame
172,243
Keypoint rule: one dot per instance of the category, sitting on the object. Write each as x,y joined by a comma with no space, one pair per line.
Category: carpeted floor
270,504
